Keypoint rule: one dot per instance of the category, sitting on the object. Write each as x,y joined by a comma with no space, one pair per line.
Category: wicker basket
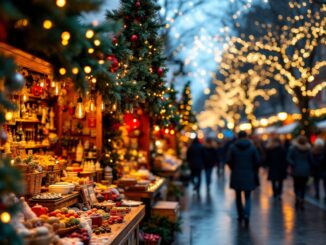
33,183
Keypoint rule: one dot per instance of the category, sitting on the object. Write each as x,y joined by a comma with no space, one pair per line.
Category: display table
147,197
127,233
150,193
66,201
173,172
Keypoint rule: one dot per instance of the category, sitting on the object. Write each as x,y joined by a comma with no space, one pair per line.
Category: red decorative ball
160,71
134,38
114,40
137,4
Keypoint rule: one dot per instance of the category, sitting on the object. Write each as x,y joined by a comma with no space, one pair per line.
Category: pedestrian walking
300,160
323,172
195,159
243,160
276,163
317,157
211,160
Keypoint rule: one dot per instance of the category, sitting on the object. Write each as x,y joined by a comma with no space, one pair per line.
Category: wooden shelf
33,98
27,120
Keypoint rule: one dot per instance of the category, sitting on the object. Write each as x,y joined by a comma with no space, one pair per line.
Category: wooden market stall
57,151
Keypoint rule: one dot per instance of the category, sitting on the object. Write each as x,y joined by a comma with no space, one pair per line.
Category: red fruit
134,38
137,4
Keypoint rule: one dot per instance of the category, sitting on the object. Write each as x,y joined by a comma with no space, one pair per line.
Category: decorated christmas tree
145,64
187,117
10,178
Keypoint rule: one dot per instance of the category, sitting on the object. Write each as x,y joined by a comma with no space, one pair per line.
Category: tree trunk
306,127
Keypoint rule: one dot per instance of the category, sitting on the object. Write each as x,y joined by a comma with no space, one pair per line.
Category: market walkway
211,219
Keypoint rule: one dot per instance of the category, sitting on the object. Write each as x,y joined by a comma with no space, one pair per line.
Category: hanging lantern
102,106
80,109
92,107
57,88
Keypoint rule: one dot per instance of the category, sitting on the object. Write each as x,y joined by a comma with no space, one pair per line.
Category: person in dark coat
211,160
275,161
317,157
243,160
323,172
300,160
195,159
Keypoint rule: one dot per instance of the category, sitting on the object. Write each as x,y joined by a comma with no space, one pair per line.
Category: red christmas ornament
114,40
37,90
160,71
134,38
137,4
114,63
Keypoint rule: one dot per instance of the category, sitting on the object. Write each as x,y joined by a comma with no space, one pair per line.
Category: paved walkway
210,219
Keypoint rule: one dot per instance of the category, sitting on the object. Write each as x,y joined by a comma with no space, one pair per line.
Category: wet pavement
211,219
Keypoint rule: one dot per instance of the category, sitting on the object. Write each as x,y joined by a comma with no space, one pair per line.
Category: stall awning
321,125
268,130
287,129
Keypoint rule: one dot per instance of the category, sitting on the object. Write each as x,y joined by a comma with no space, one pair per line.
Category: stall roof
287,129
268,130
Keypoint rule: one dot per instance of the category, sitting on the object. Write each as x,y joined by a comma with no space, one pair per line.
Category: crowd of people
245,156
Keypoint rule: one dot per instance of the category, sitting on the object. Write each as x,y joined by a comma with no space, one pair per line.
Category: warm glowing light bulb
75,70
9,115
80,109
97,42
92,107
5,217
61,3
47,24
65,35
87,69
62,71
89,34
282,116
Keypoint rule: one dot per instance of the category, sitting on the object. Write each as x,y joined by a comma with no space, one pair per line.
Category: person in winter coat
300,160
275,161
195,159
323,172
211,160
317,157
243,160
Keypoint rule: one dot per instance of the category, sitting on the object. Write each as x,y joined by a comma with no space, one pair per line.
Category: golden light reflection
288,213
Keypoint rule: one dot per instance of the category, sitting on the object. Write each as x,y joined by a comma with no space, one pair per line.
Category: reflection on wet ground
210,218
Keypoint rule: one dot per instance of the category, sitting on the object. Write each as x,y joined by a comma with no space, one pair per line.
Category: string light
89,34
47,24
87,69
62,71
61,3
5,217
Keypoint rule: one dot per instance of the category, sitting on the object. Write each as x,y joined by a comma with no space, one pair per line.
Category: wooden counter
126,233
148,197
66,201
150,193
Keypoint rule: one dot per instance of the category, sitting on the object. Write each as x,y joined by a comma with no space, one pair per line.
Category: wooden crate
167,209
